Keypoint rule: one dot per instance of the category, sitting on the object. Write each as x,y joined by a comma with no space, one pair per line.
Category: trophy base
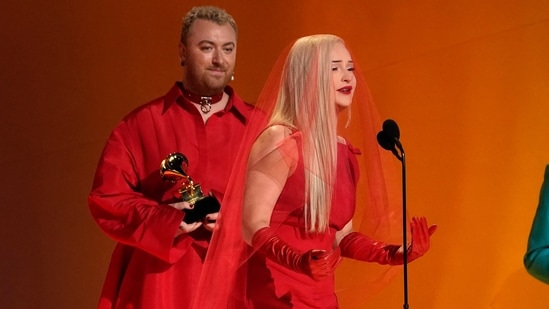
202,207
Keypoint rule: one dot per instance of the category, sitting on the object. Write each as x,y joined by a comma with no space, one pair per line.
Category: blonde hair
304,103
210,13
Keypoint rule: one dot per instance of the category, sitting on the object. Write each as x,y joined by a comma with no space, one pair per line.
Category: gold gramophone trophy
174,168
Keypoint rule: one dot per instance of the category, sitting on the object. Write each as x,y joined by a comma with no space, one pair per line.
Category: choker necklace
204,101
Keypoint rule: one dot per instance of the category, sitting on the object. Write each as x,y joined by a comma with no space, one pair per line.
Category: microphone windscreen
391,128
385,141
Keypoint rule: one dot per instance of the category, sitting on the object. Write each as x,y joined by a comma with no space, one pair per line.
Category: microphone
388,139
389,136
391,127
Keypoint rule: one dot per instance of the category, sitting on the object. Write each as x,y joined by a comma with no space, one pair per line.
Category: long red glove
359,247
317,264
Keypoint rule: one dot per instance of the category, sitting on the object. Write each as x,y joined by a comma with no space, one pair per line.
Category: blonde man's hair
211,13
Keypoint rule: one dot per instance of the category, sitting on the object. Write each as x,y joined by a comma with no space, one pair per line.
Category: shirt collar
235,104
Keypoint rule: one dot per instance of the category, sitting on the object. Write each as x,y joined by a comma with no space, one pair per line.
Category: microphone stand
388,139
402,158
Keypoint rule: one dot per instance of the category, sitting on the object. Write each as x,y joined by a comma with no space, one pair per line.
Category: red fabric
357,246
149,268
316,264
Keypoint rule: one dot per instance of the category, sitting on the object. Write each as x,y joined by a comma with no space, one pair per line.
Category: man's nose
217,56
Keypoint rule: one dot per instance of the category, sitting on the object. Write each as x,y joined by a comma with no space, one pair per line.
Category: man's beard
206,84
217,84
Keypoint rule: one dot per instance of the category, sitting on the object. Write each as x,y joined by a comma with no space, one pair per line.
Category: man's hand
184,227
209,221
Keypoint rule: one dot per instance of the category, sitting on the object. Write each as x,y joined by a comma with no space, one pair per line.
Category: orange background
467,81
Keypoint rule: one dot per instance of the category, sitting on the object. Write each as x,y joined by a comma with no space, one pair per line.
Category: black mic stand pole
402,158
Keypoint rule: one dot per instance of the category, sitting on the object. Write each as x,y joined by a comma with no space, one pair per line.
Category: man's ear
182,53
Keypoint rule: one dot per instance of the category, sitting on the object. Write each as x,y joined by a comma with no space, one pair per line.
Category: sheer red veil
378,210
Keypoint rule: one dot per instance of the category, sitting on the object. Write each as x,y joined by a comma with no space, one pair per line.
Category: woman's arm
356,246
267,171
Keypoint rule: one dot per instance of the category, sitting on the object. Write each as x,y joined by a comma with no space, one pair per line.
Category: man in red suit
159,255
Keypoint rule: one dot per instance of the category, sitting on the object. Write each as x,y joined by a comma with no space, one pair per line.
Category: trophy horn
174,166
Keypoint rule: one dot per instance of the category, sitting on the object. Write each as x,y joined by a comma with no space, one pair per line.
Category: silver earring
232,77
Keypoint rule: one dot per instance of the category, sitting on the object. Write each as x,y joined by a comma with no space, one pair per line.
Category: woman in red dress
298,192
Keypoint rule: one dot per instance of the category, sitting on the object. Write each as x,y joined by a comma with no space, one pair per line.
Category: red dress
270,285
149,268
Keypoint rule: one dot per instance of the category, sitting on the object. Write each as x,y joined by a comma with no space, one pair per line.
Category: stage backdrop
467,81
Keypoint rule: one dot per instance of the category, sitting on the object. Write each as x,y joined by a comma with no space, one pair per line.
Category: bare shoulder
275,133
270,139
